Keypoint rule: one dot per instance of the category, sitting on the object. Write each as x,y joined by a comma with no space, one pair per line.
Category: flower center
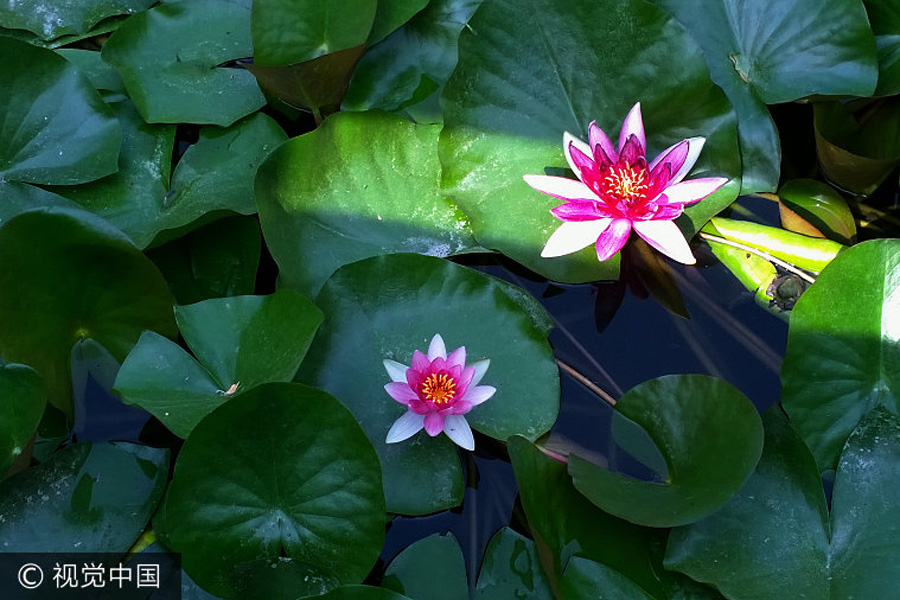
625,182
440,388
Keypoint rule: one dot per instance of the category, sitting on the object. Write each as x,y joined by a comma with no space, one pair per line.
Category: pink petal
395,370
419,407
460,407
666,238
580,210
405,427
458,430
466,379
696,145
436,348
673,157
583,162
438,364
481,368
598,138
478,394
693,190
632,153
569,142
400,391
612,240
668,212
633,125
560,187
434,423
572,236
420,363
457,358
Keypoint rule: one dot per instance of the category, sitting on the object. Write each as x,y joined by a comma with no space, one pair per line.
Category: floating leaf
103,77
54,127
293,31
584,579
51,20
86,498
19,197
388,306
362,592
843,348
818,205
302,483
169,59
523,81
884,16
84,280
320,208
432,568
22,401
710,437
391,15
511,569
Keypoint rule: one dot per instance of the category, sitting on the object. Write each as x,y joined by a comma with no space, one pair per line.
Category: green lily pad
51,20
215,174
54,127
412,62
710,436
19,197
293,31
169,59
563,522
360,185
432,568
362,592
388,306
842,351
84,279
391,15
240,342
302,483
103,77
22,401
781,518
219,259
884,16
85,498
585,579
511,569
522,82
819,207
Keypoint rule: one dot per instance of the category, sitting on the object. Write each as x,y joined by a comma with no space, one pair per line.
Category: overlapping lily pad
884,16
169,58
511,569
388,306
84,279
240,343
844,347
54,127
53,19
528,71
301,484
432,567
710,436
86,498
22,401
361,185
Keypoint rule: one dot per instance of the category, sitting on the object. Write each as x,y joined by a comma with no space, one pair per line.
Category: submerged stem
586,382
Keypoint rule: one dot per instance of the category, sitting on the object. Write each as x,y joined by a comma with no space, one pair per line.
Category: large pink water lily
437,390
617,191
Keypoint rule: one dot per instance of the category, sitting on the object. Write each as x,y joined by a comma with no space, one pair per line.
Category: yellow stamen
626,183
439,388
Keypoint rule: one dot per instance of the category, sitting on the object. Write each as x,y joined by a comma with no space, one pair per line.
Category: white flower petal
481,368
457,429
436,347
396,371
581,145
667,238
694,148
405,427
560,187
572,236
693,189
478,394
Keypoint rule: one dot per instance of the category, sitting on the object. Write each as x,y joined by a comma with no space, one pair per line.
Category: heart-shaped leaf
511,569
843,348
84,279
432,567
301,483
22,401
85,498
54,127
169,59
66,17
710,436
360,185
388,306
522,81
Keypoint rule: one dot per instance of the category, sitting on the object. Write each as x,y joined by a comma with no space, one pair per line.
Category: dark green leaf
54,127
84,279
710,436
51,20
86,498
511,569
22,401
529,71
292,31
105,78
169,59
300,482
19,197
361,185
388,306
585,579
432,568
391,15
361,592
884,16
842,352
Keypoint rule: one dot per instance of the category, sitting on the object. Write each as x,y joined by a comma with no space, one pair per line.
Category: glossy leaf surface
51,20
22,400
432,567
511,569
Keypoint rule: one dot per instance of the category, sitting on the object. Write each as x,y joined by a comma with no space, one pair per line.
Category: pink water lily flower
437,390
617,191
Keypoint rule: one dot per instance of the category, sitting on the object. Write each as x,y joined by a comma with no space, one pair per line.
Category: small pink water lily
618,191
438,390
